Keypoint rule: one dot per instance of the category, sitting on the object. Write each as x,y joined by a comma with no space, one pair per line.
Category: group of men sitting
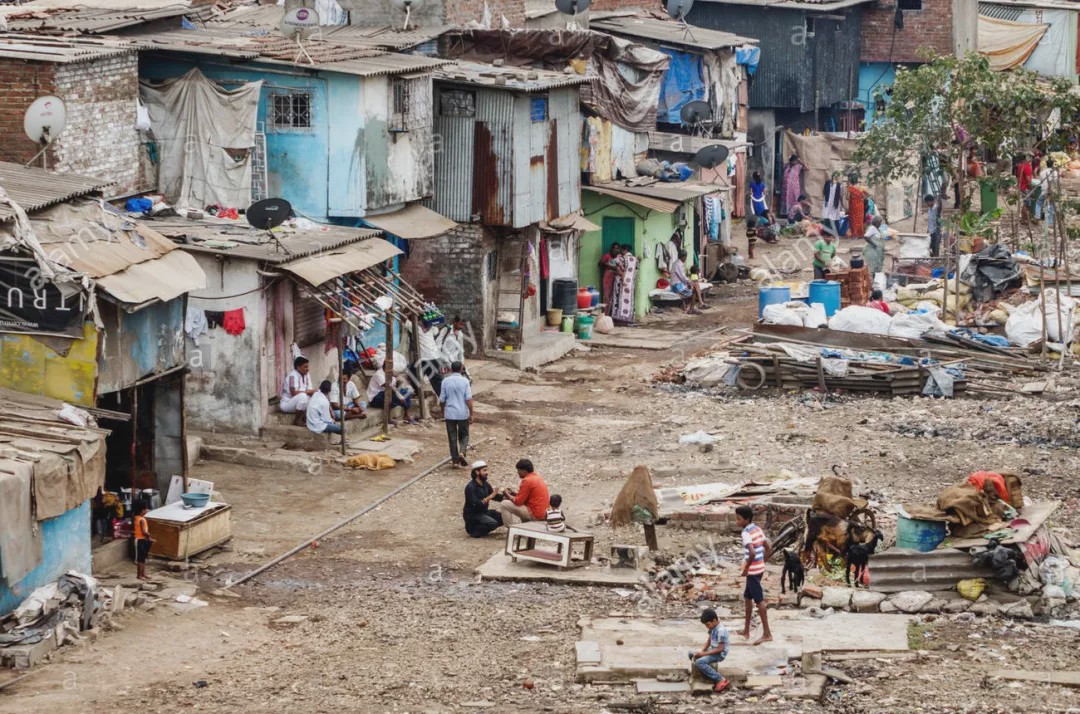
488,508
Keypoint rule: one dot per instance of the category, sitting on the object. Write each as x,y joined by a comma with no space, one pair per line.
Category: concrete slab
651,647
641,338
655,686
500,567
538,350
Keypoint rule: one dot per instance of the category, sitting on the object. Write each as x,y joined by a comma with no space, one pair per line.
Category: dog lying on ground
793,573
857,556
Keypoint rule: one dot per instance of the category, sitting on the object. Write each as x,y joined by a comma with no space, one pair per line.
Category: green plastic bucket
585,327
567,323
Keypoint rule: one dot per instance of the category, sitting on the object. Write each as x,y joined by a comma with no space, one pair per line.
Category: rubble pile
51,616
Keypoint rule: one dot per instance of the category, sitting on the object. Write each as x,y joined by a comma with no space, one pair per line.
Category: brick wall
623,5
931,28
452,272
462,12
100,138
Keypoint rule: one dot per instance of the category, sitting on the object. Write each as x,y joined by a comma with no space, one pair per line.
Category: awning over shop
351,258
165,278
572,222
414,221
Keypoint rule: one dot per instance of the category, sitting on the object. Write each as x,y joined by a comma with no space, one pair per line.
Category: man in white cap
479,518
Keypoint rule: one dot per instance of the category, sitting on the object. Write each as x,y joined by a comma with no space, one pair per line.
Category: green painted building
645,216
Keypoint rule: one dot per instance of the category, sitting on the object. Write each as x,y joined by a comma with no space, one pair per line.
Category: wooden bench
570,548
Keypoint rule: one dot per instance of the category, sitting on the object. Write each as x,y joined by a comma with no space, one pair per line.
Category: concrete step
262,458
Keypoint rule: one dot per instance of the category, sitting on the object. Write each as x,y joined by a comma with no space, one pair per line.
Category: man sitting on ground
376,393
480,519
296,390
530,502
354,408
319,418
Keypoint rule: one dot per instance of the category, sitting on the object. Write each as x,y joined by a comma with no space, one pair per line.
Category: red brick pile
854,286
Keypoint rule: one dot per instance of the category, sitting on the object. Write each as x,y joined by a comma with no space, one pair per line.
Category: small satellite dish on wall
572,7
678,9
45,118
407,6
268,213
299,22
710,157
695,112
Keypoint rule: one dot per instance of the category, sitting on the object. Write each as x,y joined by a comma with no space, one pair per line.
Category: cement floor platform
641,338
500,567
614,649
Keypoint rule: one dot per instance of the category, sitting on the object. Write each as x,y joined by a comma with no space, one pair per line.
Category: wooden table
525,541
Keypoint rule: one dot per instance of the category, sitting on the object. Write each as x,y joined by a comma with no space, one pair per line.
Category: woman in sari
857,196
622,310
793,185
608,267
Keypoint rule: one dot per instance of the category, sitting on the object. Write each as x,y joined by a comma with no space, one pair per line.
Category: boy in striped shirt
757,552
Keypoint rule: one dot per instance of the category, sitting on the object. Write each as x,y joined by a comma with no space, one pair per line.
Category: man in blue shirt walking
456,400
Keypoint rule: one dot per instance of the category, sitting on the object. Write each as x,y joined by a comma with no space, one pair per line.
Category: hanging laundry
214,319
544,265
195,324
234,321
714,210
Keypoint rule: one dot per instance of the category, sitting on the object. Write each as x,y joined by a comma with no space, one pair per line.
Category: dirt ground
397,621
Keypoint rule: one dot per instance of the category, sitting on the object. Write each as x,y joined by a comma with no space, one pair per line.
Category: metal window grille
290,110
538,109
457,103
410,103
309,320
909,4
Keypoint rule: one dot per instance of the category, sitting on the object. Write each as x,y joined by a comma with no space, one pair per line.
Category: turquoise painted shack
343,136
646,217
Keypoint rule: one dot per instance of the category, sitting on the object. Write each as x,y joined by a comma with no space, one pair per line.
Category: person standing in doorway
609,264
143,541
457,404
757,552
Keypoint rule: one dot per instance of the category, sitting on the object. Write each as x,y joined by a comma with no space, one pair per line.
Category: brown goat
825,534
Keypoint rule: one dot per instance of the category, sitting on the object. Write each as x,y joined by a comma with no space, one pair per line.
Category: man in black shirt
479,519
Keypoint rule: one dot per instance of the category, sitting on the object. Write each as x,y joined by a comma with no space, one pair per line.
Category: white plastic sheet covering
196,123
856,318
1025,322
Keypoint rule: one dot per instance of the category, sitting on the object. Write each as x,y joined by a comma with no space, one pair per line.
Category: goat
832,533
793,572
857,556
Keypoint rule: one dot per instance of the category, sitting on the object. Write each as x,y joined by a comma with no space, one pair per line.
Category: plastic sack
866,320
1024,325
604,324
914,325
814,315
880,282
698,438
914,245
781,315
1052,570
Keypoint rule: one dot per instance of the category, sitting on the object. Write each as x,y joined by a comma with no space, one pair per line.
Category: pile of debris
51,616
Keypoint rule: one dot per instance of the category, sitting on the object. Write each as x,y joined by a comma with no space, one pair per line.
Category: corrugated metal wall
566,107
493,157
453,165
785,76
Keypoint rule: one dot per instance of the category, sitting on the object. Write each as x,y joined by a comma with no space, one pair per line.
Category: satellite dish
407,6
45,118
299,22
695,112
268,213
678,9
710,157
572,7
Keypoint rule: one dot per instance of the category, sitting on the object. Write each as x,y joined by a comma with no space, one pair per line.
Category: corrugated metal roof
669,32
656,204
89,18
265,19
815,5
326,56
505,77
34,48
252,244
34,188
899,569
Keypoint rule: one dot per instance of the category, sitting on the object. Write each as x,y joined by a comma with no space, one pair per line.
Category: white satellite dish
407,6
678,10
299,22
45,118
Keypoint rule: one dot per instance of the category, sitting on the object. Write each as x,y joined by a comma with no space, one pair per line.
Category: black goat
793,573
857,556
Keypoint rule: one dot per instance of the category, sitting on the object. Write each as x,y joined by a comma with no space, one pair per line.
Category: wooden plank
1068,679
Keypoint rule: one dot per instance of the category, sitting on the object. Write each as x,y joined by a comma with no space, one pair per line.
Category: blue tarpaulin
749,57
683,82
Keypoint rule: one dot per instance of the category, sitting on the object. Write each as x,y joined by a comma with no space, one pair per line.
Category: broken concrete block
911,601
27,656
935,605
956,605
291,620
887,607
986,607
655,686
763,681
866,601
838,598
813,591
588,652
1019,610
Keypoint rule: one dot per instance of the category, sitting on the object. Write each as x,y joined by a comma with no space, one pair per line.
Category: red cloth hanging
233,321
544,267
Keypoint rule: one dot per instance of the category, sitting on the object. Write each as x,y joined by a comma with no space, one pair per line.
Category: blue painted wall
874,76
65,544
296,159
139,344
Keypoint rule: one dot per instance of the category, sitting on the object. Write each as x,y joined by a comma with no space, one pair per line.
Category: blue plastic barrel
919,535
774,296
826,292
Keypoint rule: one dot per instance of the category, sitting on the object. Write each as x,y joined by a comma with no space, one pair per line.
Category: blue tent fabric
748,56
683,82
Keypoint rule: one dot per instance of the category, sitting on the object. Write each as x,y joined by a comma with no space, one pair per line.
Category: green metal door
617,230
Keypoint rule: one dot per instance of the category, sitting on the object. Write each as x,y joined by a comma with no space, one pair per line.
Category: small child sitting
556,523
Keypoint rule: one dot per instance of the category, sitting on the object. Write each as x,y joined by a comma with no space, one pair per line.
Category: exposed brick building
99,86
437,12
944,27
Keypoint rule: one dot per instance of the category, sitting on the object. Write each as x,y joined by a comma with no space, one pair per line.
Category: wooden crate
179,540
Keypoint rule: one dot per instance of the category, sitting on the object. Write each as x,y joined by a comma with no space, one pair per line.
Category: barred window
457,103
410,103
290,110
